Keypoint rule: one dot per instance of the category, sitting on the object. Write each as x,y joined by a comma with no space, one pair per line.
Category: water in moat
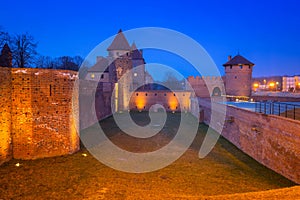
225,170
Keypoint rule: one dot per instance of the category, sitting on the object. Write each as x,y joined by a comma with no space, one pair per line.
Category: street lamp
265,86
277,85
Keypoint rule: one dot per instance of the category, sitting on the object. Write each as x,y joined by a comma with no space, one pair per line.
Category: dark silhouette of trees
172,82
64,62
24,50
4,37
21,51
44,62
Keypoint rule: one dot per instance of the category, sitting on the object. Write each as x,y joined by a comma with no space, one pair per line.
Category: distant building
121,58
291,83
271,83
134,89
276,84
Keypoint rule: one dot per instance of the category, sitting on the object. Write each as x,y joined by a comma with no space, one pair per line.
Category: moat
226,170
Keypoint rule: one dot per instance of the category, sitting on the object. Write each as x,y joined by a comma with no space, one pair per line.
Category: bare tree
4,37
78,60
45,62
24,50
172,82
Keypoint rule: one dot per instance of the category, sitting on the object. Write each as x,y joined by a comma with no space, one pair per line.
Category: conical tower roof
119,43
5,49
238,60
133,46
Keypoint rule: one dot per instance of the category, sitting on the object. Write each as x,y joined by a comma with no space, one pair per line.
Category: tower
120,60
119,46
138,65
6,57
238,75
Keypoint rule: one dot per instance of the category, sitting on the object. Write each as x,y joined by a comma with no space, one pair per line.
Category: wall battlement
202,85
204,78
38,118
271,140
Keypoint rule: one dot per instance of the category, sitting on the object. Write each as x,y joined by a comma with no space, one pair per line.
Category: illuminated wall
142,101
43,123
5,114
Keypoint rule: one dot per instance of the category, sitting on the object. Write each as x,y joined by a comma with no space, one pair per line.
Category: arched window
216,92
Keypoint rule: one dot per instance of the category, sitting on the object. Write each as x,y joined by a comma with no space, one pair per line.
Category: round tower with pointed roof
238,75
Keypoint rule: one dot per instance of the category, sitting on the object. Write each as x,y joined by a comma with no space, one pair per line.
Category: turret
6,57
238,71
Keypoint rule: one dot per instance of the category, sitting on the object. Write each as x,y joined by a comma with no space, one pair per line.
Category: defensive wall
271,140
202,85
170,100
95,102
38,117
275,98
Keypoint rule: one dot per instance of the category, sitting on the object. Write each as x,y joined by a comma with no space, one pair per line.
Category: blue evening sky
265,32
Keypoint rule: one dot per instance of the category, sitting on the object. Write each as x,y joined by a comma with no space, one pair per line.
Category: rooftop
119,43
238,60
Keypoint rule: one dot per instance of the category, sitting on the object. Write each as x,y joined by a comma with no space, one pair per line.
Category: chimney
229,57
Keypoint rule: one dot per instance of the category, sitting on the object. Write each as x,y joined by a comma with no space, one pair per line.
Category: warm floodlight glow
272,84
140,103
173,105
255,85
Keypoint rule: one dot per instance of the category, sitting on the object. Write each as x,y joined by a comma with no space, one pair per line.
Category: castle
123,59
40,107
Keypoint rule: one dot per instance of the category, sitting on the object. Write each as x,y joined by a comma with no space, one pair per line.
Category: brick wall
204,86
276,98
44,119
5,114
95,102
238,81
168,99
271,140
